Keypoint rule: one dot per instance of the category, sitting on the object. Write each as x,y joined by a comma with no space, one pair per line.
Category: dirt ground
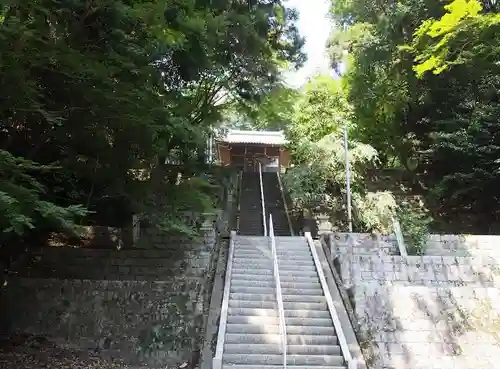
31,352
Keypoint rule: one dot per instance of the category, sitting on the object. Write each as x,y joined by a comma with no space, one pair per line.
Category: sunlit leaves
441,43
321,109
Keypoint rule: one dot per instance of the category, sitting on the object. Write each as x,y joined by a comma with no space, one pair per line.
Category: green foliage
321,109
306,186
317,182
441,125
106,90
415,220
273,112
22,207
450,37
375,211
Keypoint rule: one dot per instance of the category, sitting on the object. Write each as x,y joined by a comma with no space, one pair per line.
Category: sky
314,25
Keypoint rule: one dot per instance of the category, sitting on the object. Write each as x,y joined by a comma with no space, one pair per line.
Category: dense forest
418,91
423,84
99,94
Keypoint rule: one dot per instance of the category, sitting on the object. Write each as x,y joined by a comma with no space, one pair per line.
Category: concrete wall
422,312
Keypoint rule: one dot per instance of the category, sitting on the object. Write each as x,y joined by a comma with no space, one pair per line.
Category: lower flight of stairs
252,339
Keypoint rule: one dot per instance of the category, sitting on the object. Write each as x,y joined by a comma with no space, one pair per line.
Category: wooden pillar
284,159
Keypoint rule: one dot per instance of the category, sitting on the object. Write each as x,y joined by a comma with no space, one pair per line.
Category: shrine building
246,149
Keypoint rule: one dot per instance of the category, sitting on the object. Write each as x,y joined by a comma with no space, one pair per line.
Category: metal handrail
217,360
262,199
279,295
344,347
240,191
285,206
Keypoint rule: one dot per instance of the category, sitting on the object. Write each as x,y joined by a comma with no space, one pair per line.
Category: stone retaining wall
148,311
422,312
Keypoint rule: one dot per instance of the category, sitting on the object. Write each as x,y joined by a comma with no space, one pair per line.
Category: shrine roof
255,137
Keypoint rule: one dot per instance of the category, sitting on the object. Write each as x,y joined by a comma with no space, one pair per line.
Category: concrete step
266,254
251,271
274,329
252,283
283,263
259,359
269,304
291,239
253,290
252,312
292,249
276,348
272,297
269,265
299,273
292,339
314,285
286,272
274,313
272,291
273,320
298,278
237,275
259,366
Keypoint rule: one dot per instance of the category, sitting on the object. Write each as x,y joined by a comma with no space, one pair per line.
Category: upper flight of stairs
252,336
274,204
250,213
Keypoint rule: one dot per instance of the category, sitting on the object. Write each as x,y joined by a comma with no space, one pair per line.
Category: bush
375,211
415,220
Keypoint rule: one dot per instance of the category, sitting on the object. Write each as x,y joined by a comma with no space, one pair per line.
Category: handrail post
279,295
262,200
399,238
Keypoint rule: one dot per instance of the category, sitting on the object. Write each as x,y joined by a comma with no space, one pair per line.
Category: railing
240,191
285,206
351,362
262,199
399,238
279,295
217,360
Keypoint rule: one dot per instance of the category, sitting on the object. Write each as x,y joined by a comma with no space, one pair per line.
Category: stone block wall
421,312
463,245
143,306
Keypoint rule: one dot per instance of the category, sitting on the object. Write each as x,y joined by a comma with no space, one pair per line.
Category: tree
450,38
106,90
440,125
321,110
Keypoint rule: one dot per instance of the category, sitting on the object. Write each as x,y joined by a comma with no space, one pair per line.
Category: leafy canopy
103,93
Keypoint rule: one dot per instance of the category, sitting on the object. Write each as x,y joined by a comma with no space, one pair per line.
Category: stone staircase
274,204
250,213
251,337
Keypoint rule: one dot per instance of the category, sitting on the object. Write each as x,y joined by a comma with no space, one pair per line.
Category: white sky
314,25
